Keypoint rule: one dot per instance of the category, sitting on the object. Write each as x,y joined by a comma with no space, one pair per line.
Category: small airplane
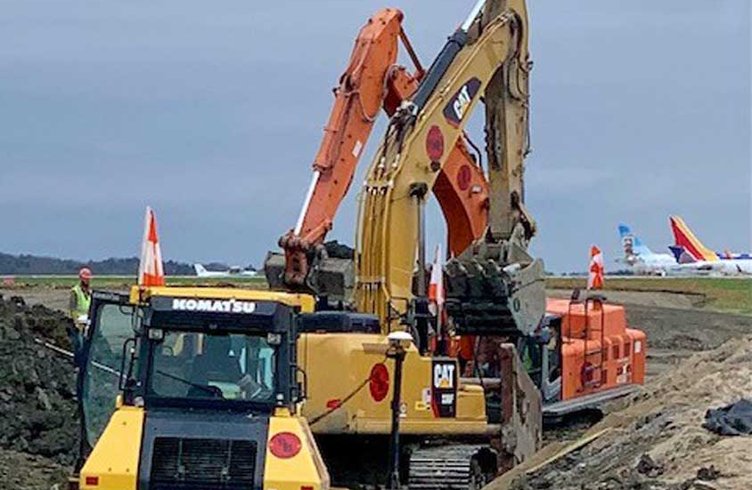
640,258
231,272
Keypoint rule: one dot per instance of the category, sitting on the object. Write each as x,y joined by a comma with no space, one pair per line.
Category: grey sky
212,112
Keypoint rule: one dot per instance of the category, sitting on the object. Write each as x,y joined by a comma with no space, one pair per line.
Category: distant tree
31,264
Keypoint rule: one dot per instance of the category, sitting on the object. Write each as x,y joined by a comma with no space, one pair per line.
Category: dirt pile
657,440
19,471
37,387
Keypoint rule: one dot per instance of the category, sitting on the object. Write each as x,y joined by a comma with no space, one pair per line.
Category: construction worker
80,299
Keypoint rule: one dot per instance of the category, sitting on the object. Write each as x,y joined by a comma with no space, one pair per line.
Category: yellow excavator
456,431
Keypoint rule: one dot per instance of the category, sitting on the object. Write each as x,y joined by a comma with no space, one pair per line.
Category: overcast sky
212,113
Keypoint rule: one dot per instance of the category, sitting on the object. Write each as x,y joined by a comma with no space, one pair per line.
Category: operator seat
216,363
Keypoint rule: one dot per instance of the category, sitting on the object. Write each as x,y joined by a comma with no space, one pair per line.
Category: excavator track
449,467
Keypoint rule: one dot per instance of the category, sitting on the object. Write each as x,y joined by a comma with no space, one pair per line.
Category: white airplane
640,259
231,272
726,267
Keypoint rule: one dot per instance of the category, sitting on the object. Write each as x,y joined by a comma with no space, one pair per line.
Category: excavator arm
371,81
486,59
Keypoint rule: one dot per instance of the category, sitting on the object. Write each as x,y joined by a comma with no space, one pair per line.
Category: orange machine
373,80
596,356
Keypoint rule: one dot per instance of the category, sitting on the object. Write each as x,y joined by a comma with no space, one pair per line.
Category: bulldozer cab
173,351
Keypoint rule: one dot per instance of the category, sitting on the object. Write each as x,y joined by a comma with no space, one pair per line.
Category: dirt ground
52,298
697,360
20,471
656,440
38,419
653,440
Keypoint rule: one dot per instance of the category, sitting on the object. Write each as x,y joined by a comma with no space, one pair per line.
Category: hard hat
84,273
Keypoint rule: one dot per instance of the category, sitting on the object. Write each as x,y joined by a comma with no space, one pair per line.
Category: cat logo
443,395
458,105
462,102
443,376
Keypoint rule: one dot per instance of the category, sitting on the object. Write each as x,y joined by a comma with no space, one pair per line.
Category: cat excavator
580,351
457,432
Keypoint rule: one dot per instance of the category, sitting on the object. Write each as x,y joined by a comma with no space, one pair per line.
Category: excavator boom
485,59
371,80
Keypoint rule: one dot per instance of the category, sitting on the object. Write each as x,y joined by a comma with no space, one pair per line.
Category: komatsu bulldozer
194,388
205,387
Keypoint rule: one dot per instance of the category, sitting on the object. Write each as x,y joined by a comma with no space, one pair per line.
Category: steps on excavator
555,412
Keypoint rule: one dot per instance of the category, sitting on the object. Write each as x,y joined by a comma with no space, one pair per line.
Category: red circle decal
435,143
285,445
464,176
378,383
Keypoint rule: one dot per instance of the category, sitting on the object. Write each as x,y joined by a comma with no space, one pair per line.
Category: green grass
723,294
124,282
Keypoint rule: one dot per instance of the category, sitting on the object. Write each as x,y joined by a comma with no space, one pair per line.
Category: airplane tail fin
200,269
684,238
631,243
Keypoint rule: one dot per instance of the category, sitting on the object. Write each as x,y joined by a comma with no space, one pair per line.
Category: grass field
724,294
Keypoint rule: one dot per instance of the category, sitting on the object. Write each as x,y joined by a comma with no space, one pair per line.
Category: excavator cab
194,388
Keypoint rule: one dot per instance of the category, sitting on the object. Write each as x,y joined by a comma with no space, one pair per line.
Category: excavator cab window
111,325
541,356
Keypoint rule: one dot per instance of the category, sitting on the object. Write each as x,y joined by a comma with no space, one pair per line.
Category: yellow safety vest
83,301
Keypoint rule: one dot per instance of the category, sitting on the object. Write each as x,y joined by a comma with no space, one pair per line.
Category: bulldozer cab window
222,366
112,325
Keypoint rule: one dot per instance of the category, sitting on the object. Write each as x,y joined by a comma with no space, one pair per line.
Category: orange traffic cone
150,269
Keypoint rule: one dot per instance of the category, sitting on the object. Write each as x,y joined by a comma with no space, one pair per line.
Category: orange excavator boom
372,80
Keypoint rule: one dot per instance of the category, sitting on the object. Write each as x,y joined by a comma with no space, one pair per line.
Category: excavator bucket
486,298
332,277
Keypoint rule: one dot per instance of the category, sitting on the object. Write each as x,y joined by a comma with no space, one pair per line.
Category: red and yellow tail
683,237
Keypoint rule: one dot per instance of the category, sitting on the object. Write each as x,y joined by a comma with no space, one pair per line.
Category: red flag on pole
150,269
596,270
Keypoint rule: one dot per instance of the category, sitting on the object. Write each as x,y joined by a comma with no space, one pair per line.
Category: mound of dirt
657,441
26,472
37,387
